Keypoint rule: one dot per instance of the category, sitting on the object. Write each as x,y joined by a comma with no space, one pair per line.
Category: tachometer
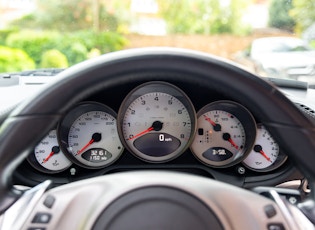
89,135
225,134
157,121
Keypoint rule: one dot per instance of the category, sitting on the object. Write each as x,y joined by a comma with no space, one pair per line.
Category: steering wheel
150,199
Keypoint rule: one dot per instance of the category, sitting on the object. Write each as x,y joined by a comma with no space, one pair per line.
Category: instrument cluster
157,122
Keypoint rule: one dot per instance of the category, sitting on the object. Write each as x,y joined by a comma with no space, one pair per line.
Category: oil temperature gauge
265,155
47,155
225,134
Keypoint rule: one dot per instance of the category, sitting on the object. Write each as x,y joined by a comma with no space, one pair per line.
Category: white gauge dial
89,134
93,139
222,139
49,156
220,136
157,126
265,155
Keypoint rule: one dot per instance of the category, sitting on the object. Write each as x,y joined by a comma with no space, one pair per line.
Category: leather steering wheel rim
27,124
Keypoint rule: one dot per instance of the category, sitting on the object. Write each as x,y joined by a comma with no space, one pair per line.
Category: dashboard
146,125
156,125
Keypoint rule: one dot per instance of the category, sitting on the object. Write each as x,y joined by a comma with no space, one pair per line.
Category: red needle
96,137
264,155
233,143
54,150
85,146
227,137
211,121
48,157
258,149
216,127
140,134
156,126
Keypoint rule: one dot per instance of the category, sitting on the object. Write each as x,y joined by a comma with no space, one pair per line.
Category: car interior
159,138
157,114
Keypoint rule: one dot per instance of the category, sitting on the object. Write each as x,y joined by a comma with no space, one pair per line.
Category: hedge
54,59
13,60
33,43
75,46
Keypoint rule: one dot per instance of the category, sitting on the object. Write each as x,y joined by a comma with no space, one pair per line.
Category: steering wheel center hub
157,208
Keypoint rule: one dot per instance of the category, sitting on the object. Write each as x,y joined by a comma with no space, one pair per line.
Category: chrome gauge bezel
163,89
246,120
66,125
280,158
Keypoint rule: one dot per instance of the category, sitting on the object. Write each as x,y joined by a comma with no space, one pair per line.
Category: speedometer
89,135
157,121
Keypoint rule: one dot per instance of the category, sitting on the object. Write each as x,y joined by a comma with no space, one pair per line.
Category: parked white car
283,57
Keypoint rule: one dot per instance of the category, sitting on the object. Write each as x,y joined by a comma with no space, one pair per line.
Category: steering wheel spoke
156,199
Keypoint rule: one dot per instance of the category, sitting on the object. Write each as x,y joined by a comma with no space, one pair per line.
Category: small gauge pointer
96,137
227,137
258,149
156,126
54,150
216,127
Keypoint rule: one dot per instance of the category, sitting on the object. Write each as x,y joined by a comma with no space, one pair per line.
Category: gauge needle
216,127
96,137
258,149
156,126
54,150
227,137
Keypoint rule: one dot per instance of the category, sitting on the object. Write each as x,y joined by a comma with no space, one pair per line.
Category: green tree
279,15
203,16
70,15
4,33
303,13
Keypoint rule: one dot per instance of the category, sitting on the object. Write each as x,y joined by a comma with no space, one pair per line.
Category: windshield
41,34
281,44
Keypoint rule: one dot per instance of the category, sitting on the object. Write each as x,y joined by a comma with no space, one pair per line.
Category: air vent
307,110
